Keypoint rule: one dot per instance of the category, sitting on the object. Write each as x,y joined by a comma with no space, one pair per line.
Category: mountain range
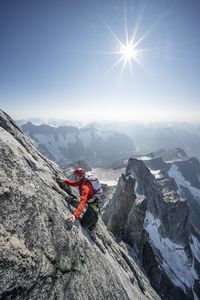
147,137
66,144
148,233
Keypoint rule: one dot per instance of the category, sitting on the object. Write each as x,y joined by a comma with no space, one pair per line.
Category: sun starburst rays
128,51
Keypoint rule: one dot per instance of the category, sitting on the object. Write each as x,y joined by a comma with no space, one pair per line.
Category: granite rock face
40,256
154,219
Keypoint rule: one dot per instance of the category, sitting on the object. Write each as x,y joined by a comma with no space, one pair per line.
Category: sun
128,52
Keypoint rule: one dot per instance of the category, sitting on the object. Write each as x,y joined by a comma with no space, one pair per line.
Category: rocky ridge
40,257
154,218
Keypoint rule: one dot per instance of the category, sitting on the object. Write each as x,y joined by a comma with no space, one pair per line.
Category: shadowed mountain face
153,211
175,166
66,144
184,171
40,258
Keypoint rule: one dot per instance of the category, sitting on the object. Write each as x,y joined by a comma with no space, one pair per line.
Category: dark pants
90,217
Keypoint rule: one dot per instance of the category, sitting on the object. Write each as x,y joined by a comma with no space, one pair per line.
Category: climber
89,198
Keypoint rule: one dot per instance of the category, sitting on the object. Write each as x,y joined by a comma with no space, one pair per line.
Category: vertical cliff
40,258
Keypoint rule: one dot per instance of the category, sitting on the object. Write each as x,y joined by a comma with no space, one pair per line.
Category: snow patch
139,197
107,176
180,181
144,158
130,176
109,182
173,257
156,173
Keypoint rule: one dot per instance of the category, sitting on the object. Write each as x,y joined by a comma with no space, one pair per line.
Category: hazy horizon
132,60
111,117
35,120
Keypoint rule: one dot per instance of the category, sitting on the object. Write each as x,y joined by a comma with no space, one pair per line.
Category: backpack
96,185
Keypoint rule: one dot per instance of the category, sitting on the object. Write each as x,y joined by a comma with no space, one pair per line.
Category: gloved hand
70,218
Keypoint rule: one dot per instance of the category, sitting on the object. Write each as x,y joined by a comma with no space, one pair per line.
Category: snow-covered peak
67,143
172,257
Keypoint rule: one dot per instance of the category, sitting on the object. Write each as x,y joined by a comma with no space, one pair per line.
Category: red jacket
85,191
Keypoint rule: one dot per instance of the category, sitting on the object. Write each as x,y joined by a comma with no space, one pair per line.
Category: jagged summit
40,258
169,155
154,217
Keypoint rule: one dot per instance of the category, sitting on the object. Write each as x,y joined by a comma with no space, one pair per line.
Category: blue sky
55,59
